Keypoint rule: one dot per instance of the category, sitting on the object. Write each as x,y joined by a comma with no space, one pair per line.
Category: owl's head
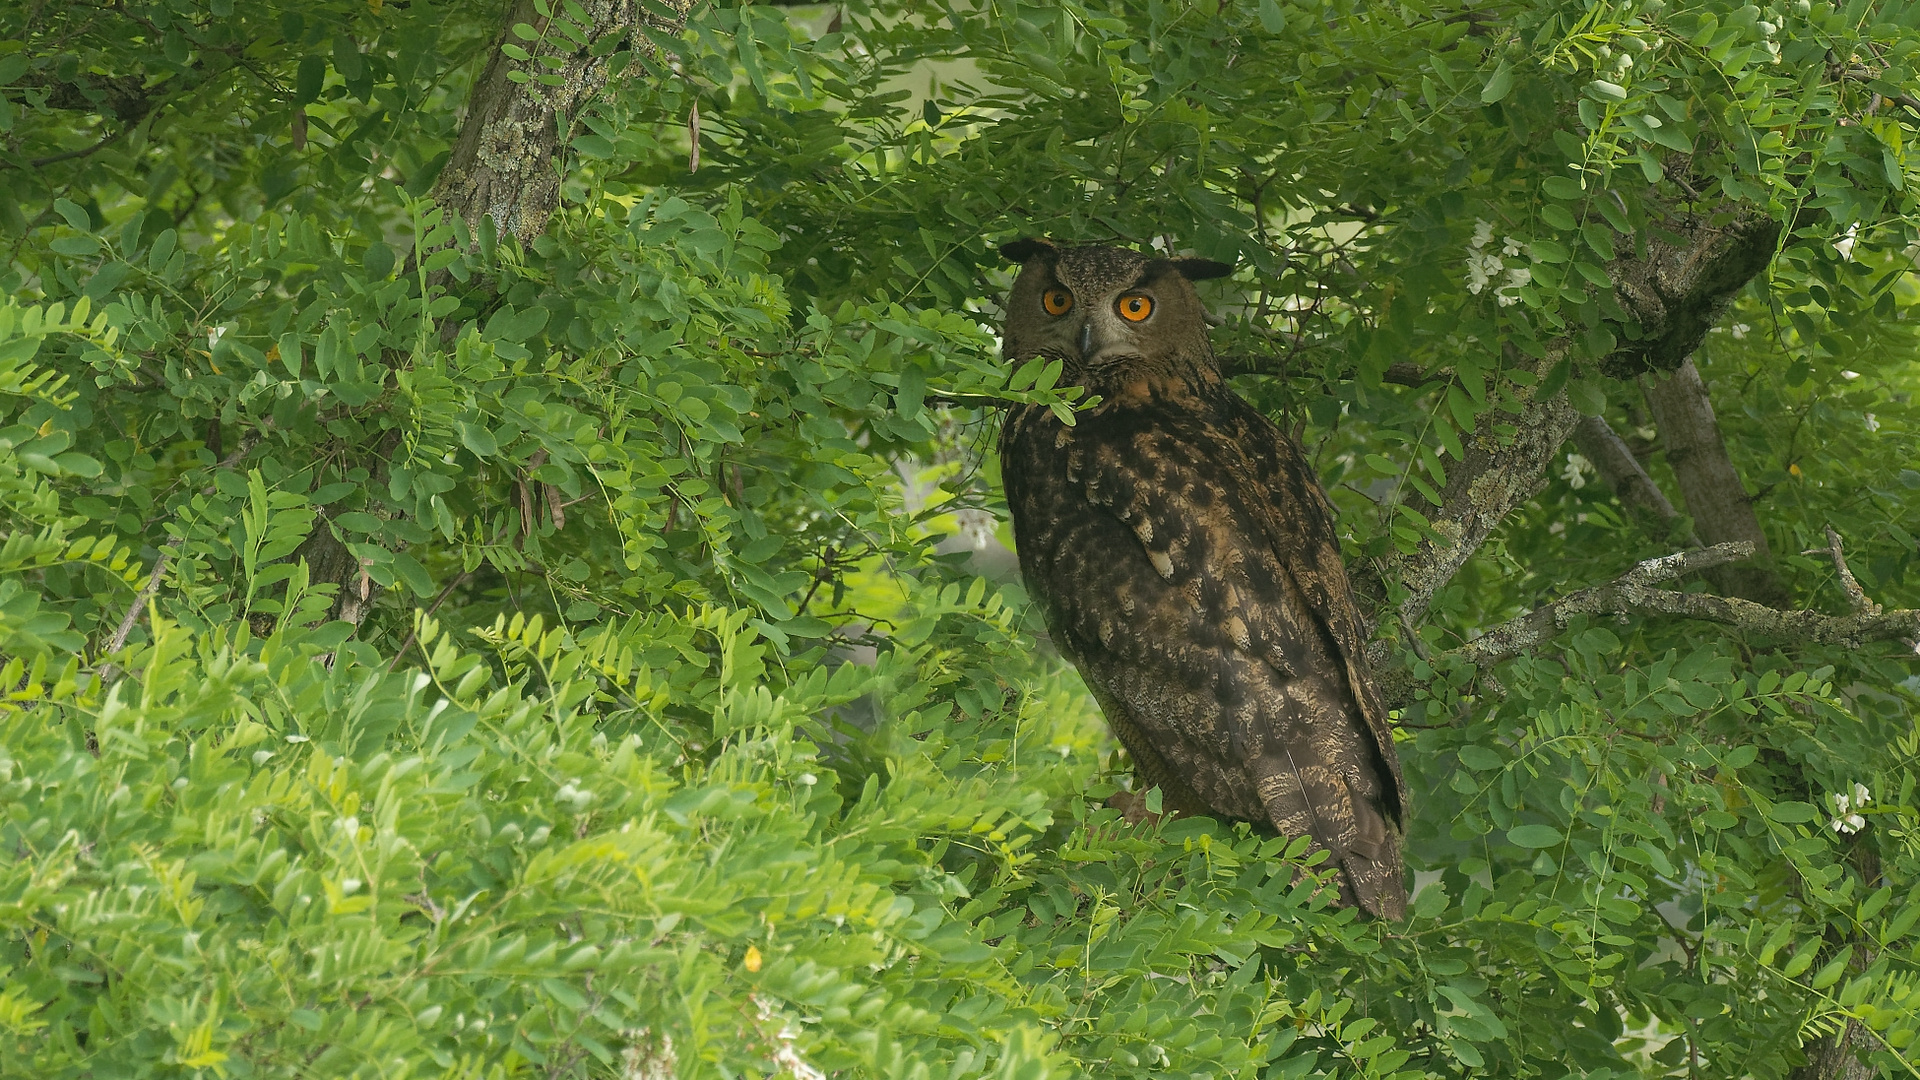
1111,314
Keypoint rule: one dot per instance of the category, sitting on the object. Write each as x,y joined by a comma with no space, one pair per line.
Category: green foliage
672,739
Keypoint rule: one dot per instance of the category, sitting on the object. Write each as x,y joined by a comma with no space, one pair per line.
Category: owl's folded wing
1240,653
1301,529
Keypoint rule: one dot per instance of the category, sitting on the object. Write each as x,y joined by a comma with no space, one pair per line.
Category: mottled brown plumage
1186,560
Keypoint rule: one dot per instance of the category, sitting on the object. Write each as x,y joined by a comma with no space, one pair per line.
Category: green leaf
415,576
1587,396
74,215
1562,188
1534,836
1830,974
1499,84
1272,19
1547,251
1480,758
309,79
1792,813
477,438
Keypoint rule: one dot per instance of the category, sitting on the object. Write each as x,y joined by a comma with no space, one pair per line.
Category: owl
1185,558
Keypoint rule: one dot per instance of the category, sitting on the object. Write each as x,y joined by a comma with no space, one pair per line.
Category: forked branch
1671,291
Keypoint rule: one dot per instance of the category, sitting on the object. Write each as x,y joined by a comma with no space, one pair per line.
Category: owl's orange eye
1057,301
1134,308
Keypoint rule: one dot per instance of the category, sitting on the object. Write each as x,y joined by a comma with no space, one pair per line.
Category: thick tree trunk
1722,510
1675,292
1838,1057
507,162
507,165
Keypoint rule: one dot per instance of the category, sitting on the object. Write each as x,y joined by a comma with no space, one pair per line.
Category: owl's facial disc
1109,333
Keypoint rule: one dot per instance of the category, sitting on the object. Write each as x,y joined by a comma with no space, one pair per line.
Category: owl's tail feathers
1306,794
1373,873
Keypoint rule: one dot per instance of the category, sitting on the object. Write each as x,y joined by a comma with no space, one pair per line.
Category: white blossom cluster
1575,474
1847,818
1486,268
784,1055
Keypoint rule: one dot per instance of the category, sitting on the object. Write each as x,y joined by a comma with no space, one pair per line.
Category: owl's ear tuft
1021,250
1198,269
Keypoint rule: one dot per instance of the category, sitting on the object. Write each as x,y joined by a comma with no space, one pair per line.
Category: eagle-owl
1186,560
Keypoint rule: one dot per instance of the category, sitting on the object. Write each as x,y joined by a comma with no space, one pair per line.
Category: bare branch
1856,596
140,602
127,98
1622,474
1481,490
1633,593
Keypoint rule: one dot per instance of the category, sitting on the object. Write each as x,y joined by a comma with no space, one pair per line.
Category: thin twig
1856,596
139,608
431,608
120,634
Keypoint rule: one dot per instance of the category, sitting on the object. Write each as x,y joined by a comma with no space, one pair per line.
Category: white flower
784,1054
1481,266
1517,276
1844,821
1872,423
1510,247
1477,272
1844,245
1575,474
1739,330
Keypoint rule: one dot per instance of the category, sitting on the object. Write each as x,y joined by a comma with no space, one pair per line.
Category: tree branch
1722,511
1856,596
1693,266
1480,492
1622,474
127,98
1688,268
506,162
139,606
1633,593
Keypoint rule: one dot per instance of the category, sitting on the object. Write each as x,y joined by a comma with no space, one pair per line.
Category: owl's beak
1098,345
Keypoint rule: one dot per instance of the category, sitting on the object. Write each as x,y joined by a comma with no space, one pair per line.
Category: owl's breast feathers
1187,563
